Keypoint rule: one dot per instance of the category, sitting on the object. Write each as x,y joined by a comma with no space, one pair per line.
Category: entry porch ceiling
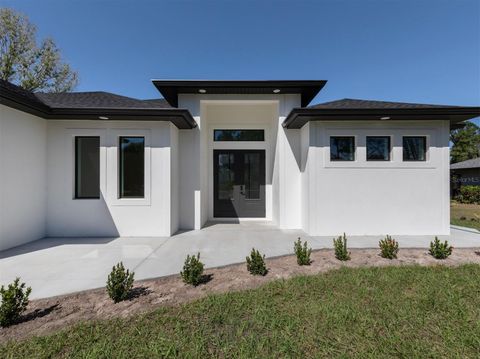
170,89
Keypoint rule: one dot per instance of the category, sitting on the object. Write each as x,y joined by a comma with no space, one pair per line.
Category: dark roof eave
179,117
170,89
23,104
298,117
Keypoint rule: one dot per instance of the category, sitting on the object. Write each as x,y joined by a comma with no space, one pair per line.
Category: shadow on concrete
46,243
215,223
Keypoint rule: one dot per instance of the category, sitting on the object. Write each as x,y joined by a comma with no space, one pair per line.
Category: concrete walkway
54,266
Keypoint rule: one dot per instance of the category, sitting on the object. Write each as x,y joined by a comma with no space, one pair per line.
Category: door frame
241,145
262,198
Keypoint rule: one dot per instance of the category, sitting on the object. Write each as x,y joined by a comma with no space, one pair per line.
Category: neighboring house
466,173
99,164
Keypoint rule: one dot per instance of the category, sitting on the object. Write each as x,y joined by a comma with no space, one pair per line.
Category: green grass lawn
465,215
409,312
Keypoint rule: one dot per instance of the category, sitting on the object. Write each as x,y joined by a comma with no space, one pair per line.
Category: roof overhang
170,89
20,101
179,117
298,117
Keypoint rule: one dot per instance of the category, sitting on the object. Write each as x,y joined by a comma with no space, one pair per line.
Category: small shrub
192,270
119,283
469,195
302,253
388,247
340,245
256,263
440,250
463,218
14,302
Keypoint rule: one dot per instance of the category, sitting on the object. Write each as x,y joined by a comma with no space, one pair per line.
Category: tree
466,143
31,66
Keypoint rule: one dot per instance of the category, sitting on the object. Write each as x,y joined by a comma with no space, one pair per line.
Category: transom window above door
238,135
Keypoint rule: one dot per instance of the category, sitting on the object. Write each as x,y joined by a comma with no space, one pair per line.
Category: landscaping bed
49,315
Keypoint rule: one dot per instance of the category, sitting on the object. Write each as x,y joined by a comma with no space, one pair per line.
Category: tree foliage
466,143
35,67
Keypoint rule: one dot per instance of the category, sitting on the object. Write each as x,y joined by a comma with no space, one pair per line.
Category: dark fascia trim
23,103
298,117
171,88
179,117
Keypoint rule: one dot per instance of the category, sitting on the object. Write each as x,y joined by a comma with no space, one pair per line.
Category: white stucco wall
305,170
23,195
363,197
283,202
288,162
109,215
174,179
304,189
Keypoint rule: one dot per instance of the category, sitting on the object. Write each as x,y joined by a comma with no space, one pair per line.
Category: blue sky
417,51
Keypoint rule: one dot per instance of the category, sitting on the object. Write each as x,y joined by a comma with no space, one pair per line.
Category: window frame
389,159
120,167
342,160
425,145
76,196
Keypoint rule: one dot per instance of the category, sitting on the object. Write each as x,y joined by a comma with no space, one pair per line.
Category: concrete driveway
54,266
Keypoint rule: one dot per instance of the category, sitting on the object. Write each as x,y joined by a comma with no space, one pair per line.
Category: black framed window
378,148
342,148
414,148
87,167
132,167
238,135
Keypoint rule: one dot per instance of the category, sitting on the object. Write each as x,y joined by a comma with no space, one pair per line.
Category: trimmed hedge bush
192,270
440,250
302,253
14,302
469,195
388,247
119,283
340,245
256,263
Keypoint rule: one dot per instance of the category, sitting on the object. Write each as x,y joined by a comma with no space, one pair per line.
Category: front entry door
239,183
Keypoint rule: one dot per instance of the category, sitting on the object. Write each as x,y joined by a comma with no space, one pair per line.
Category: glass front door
239,183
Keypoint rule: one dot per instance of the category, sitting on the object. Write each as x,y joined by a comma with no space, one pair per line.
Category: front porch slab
54,266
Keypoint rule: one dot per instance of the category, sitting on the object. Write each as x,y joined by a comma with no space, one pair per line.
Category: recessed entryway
239,183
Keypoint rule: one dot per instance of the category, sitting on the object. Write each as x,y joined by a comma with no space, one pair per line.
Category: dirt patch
469,211
48,315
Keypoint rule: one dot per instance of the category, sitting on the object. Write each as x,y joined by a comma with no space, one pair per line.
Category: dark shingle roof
92,106
473,163
158,102
350,103
96,99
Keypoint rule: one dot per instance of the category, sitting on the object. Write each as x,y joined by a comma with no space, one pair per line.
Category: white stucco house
99,164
